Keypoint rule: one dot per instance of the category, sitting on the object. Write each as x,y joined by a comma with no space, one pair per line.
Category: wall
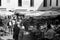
26,5
38,5
13,4
53,4
41,7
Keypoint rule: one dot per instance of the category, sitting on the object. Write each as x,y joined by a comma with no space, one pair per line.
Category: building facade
29,4
48,4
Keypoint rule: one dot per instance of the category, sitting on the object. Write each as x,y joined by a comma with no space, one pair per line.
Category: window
31,3
56,2
45,3
50,2
19,2
0,2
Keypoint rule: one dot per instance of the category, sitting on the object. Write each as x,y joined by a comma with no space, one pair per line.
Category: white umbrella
51,13
5,13
34,13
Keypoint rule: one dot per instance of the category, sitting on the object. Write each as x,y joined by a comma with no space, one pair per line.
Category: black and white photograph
29,19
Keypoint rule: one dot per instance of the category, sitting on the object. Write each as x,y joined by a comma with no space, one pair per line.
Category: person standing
16,30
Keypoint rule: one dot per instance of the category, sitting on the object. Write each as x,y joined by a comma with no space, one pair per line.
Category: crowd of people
30,28
36,29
